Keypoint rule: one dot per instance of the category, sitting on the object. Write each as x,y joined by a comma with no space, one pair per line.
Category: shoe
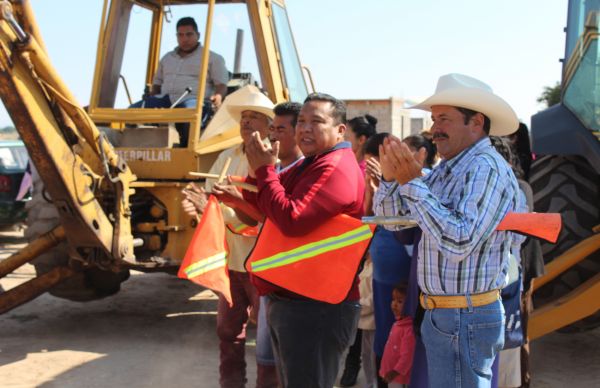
349,377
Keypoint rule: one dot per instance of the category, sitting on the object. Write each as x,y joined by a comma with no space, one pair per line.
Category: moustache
440,136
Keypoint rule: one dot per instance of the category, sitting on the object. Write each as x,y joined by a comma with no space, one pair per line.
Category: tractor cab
254,39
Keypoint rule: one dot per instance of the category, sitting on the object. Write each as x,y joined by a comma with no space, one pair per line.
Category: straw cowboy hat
467,92
255,101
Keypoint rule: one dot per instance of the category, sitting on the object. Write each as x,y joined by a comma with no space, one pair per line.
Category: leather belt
429,302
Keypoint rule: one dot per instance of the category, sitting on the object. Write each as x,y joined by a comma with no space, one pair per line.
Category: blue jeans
461,344
264,350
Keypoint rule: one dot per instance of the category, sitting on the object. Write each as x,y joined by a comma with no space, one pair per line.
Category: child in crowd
399,349
367,323
391,261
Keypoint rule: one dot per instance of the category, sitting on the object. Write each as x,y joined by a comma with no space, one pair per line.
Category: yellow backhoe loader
108,178
108,193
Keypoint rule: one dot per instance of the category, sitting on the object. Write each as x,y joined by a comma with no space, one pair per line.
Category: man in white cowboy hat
254,115
463,260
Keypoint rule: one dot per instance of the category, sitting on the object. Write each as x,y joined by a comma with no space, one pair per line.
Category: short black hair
187,21
469,113
372,145
339,106
363,125
419,141
288,108
401,287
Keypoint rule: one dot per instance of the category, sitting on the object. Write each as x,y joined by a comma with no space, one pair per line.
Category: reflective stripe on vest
208,264
313,249
243,229
320,265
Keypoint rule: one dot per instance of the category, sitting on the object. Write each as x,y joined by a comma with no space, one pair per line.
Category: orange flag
205,261
543,225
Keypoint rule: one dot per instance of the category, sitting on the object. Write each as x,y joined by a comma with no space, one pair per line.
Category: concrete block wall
391,115
380,109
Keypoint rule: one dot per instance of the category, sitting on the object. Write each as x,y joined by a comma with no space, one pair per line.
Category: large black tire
570,186
91,283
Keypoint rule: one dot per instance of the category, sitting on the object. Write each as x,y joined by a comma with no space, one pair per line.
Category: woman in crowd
359,130
391,261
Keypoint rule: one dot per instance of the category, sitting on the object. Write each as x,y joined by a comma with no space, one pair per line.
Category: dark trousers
353,356
309,338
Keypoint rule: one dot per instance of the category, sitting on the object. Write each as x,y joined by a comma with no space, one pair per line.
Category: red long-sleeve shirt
308,194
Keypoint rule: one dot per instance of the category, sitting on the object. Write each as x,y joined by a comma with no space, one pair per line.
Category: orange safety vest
321,265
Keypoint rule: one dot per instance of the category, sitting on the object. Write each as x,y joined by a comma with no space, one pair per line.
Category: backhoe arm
81,172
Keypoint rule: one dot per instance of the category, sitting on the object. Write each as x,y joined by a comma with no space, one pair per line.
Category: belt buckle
428,300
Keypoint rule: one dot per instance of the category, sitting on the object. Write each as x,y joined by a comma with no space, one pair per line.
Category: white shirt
175,73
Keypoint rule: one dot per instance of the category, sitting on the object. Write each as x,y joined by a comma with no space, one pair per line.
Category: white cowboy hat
255,101
467,92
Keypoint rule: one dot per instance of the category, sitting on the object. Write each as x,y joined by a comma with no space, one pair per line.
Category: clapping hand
373,174
195,200
227,193
390,376
259,154
399,162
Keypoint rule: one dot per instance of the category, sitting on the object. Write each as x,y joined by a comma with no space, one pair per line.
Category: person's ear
478,120
341,128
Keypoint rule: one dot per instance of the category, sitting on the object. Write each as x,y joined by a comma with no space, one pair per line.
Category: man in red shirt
309,336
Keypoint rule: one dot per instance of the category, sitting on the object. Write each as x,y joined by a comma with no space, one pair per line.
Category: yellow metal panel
165,163
99,57
178,240
578,304
195,126
568,259
141,115
155,37
264,41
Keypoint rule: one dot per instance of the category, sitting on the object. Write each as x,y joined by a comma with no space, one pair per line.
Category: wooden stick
224,170
246,186
243,185
204,175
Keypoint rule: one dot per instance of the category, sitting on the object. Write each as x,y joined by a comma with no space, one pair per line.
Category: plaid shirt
458,206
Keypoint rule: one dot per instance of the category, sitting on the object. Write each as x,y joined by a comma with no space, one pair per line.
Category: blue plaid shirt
458,206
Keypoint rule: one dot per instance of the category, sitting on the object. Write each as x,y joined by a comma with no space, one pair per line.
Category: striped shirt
458,206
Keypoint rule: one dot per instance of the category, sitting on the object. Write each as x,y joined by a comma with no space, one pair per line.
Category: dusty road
159,332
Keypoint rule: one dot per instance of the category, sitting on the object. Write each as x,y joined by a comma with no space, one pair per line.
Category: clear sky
358,49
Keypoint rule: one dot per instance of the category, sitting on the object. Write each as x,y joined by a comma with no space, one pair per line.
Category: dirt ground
159,331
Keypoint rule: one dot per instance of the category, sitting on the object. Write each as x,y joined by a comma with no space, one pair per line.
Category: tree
550,95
